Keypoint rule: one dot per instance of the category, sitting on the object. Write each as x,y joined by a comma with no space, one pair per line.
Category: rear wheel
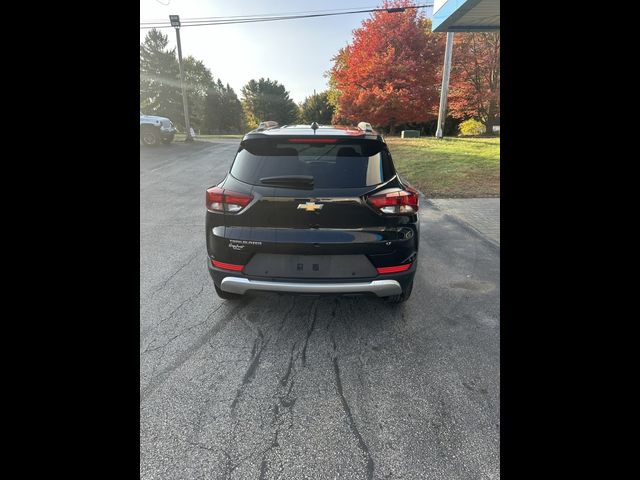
168,140
404,296
226,295
149,136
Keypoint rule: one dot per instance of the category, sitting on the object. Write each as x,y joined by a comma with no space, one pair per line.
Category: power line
254,19
261,15
251,19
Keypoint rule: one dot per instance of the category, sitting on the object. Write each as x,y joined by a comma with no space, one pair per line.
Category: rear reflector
398,268
313,140
227,266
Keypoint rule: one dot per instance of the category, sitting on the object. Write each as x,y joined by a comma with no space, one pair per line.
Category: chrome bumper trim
382,288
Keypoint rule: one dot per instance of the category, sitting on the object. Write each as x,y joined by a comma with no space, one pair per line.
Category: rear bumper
381,288
381,285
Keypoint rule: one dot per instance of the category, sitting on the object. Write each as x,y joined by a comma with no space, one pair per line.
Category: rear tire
168,140
226,295
404,296
149,136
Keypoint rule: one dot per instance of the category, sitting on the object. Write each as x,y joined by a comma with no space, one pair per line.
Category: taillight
220,200
403,201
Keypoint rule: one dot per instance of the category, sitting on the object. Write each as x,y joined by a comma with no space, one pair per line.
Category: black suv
313,209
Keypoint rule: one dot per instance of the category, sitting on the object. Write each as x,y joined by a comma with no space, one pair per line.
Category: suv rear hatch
306,201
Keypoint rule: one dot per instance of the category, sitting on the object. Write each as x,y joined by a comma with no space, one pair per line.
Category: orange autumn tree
389,74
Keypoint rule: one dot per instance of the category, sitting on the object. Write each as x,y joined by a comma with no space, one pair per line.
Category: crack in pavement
229,466
284,317
260,335
347,410
258,346
279,423
201,446
258,341
336,304
159,379
284,406
263,469
284,403
309,332
285,379
179,334
164,284
264,465
173,312
182,332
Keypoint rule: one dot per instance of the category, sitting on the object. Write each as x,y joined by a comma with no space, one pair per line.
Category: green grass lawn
450,167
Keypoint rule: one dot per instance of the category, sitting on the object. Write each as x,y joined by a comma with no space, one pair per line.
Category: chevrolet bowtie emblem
310,206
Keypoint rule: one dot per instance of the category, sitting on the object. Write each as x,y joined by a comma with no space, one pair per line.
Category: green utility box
410,134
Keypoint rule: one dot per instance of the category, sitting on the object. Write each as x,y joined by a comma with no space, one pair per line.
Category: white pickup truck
154,130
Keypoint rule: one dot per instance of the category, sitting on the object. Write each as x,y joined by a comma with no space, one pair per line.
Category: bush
471,127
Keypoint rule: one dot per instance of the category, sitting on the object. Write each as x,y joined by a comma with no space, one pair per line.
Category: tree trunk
491,118
392,129
489,125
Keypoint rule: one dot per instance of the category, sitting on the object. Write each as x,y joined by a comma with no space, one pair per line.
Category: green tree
223,110
198,82
213,105
160,89
232,113
317,108
159,74
267,100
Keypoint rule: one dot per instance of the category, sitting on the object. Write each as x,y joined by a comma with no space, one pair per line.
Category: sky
296,53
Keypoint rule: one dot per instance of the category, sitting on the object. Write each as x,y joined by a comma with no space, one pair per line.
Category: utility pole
442,111
175,22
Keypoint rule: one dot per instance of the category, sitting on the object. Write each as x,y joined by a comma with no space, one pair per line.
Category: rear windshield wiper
293,180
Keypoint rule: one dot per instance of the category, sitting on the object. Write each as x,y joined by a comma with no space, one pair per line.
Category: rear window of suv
343,163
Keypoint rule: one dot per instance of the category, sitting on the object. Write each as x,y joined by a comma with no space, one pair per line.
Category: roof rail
365,126
266,125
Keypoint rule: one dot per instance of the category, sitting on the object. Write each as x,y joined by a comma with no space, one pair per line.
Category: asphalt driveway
281,386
